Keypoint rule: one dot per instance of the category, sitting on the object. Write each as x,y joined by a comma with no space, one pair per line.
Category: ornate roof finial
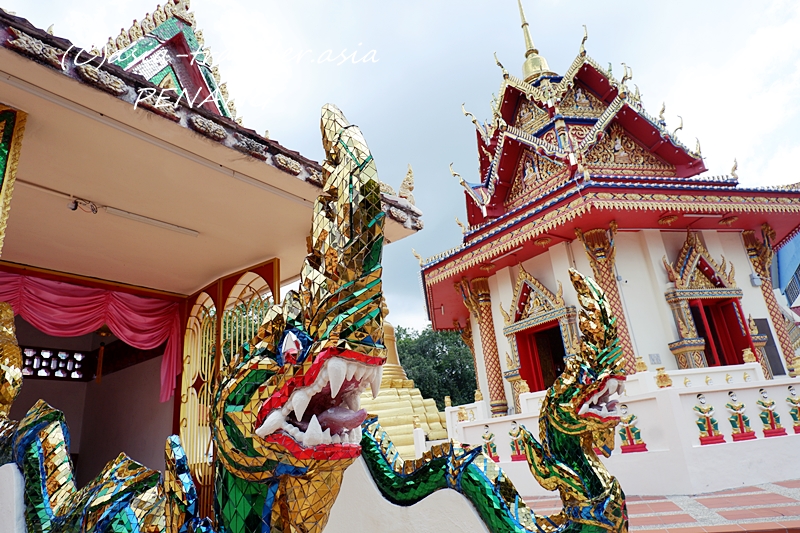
679,127
484,135
582,51
627,74
419,257
535,65
499,64
461,225
481,197
735,167
407,186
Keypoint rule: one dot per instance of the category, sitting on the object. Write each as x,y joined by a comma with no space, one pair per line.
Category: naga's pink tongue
341,419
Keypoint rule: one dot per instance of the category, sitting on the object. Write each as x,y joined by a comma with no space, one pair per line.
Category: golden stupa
399,402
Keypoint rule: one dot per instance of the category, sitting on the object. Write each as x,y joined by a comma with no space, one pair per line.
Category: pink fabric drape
66,310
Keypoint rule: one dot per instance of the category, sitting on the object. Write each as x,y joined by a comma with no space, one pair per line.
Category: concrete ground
772,507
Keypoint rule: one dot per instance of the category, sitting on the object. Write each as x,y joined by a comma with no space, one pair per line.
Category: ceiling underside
83,142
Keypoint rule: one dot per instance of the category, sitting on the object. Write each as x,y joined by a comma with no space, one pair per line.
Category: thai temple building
575,173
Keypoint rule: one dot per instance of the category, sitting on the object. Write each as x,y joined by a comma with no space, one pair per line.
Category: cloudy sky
400,70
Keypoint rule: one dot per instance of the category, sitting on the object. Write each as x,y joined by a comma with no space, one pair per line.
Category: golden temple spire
528,41
535,65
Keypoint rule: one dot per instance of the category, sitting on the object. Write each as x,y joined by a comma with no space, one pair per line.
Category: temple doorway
719,322
541,355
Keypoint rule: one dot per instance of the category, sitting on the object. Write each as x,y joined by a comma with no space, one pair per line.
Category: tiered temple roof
579,150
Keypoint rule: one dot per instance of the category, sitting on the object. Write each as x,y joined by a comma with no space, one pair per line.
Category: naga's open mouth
329,410
601,405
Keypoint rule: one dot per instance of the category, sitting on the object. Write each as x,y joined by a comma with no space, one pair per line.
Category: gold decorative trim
10,174
287,164
208,128
617,151
535,177
509,241
102,79
600,248
177,8
579,102
608,201
530,309
470,299
685,272
522,306
26,44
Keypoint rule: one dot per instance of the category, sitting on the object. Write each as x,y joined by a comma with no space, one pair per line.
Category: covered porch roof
181,201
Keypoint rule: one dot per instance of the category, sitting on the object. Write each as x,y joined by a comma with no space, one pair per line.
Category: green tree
439,363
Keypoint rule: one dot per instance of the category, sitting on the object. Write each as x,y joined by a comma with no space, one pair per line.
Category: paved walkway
764,508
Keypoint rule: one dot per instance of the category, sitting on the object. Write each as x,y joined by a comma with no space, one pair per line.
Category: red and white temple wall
664,392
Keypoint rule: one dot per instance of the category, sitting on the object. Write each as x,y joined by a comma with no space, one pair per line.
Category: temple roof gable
531,297
168,49
694,268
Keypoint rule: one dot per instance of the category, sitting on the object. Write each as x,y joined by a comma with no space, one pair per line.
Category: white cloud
739,104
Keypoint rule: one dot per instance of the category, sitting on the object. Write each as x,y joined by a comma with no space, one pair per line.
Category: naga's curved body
577,417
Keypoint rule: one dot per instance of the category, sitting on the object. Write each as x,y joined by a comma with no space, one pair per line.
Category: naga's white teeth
326,436
300,400
375,381
584,408
337,372
351,370
336,439
272,424
321,380
355,435
313,434
292,430
360,371
621,388
611,385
